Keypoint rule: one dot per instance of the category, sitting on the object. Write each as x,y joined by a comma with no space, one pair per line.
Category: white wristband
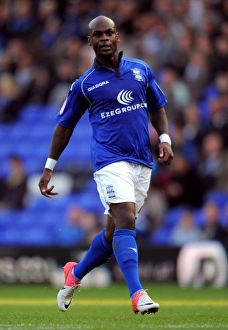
50,163
165,138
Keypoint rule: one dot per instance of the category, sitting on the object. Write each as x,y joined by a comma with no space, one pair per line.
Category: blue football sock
126,253
99,252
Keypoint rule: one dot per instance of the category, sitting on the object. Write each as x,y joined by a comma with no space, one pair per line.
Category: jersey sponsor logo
98,85
124,97
119,111
137,74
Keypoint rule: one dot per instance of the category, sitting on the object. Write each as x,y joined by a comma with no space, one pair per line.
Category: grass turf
34,307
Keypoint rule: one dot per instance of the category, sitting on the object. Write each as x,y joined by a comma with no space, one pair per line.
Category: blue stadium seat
199,217
160,236
31,113
38,236
7,148
172,217
11,237
219,197
20,132
42,133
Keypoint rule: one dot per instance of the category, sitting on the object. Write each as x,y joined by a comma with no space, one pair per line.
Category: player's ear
89,43
117,37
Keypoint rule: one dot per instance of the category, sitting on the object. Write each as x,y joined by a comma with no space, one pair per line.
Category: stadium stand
174,34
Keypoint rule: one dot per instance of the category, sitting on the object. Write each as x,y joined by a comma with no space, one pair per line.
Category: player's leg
124,244
127,189
126,253
99,252
115,186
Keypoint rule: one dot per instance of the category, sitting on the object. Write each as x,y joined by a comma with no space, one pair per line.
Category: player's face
104,39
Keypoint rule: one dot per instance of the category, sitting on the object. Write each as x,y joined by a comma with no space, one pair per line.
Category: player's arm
159,121
60,139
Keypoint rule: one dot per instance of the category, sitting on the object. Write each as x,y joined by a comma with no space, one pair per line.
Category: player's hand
165,153
43,184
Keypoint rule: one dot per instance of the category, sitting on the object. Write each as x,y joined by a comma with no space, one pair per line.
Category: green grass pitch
25,307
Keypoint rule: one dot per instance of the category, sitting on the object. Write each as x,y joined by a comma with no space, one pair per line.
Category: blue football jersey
118,103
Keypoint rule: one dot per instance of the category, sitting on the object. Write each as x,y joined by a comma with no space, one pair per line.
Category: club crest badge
137,74
110,191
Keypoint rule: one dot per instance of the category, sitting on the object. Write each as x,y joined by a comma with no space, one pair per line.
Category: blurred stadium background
42,51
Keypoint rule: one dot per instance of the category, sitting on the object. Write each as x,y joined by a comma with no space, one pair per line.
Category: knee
126,224
123,215
126,221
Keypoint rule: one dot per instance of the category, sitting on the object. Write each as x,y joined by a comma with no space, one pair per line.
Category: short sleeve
73,107
155,96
